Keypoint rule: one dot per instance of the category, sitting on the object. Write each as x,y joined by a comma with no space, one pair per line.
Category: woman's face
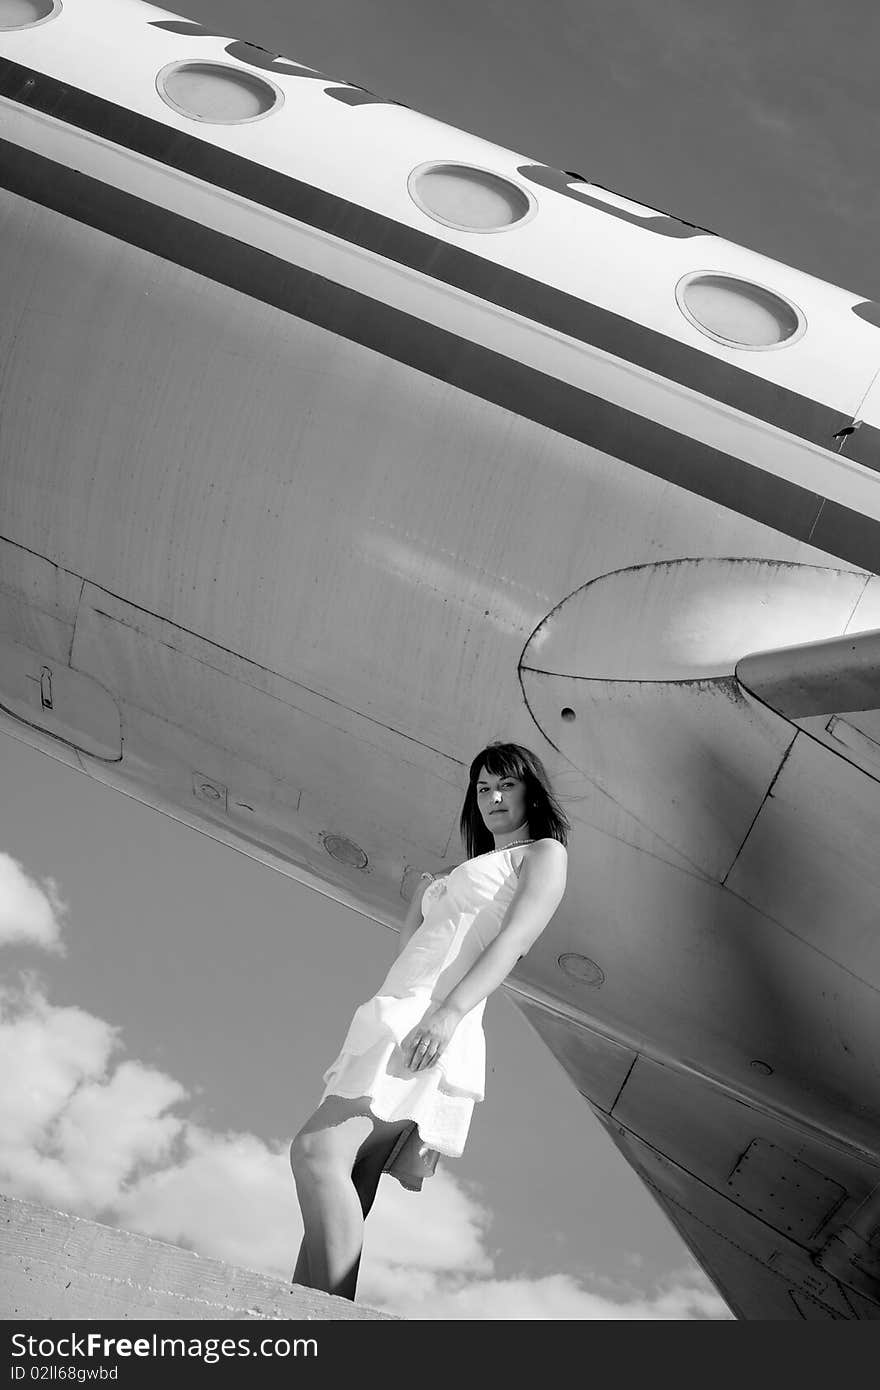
502,802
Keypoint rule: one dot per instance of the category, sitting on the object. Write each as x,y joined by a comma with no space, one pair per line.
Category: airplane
337,442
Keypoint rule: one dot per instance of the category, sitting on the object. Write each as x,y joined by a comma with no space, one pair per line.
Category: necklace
503,847
483,855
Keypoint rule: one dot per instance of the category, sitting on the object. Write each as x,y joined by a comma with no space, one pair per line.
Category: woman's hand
429,1039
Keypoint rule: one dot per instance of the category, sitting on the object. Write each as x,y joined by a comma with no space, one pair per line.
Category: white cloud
555,1297
70,1133
456,1222
113,1125
228,1195
29,912
91,1138
86,1130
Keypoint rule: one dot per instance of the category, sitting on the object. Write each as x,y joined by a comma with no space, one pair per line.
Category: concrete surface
57,1266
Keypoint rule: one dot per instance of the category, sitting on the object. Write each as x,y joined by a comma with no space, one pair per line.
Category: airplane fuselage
337,442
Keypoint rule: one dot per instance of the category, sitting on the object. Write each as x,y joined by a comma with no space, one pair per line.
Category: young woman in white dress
413,1063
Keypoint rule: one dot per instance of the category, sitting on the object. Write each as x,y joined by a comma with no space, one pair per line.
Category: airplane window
738,313
207,91
469,198
23,14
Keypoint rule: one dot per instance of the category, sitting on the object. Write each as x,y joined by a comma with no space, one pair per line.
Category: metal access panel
50,696
784,1191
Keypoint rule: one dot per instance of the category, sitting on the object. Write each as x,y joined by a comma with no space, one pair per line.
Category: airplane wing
753,1201
782,1213
326,461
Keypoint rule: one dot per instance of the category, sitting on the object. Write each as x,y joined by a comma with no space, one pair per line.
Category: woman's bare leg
334,1231
302,1273
323,1156
365,1175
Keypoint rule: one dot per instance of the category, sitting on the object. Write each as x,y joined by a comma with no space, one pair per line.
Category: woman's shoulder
548,846
545,851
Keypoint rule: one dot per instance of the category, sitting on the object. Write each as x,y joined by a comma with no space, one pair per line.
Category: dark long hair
545,815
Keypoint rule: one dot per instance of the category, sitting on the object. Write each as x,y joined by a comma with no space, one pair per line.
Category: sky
168,1005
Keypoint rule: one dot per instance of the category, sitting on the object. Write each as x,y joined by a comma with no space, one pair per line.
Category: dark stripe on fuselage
532,299
515,387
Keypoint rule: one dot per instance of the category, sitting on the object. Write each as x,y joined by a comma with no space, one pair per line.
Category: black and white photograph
439,667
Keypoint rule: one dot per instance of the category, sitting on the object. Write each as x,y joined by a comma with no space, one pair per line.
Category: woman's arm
538,894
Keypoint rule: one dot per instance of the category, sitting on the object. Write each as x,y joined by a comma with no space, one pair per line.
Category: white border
169,68
692,275
56,9
430,164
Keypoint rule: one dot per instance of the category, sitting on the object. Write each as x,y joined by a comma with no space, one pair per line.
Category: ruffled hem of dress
440,1099
443,1114
434,1143
460,1071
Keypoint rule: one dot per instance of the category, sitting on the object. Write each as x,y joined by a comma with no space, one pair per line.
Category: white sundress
463,913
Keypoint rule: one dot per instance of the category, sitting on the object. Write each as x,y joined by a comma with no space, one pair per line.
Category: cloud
228,1195
99,1140
71,1132
94,1134
457,1221
556,1297
88,1130
29,912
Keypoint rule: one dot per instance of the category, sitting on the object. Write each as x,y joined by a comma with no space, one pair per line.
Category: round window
471,199
737,312
24,14
207,91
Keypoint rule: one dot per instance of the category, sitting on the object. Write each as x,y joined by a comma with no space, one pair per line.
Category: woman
412,1065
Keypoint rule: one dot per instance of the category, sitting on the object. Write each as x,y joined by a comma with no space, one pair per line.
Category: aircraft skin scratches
305,493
